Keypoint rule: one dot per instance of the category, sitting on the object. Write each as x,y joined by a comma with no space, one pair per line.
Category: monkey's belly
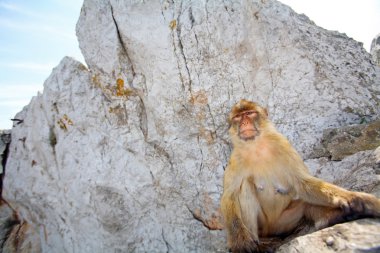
279,212
287,221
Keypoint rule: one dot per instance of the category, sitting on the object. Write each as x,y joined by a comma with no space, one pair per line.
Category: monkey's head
247,120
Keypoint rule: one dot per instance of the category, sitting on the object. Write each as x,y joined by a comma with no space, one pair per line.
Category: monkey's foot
243,242
364,204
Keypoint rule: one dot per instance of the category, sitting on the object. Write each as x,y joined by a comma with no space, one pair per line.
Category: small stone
330,241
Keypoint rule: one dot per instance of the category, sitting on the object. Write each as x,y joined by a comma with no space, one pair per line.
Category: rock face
128,154
358,172
16,234
375,49
5,139
357,236
338,143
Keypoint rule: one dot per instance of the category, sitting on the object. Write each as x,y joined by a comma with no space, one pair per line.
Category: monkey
268,191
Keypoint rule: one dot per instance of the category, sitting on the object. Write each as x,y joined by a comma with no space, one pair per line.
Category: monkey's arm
318,192
239,217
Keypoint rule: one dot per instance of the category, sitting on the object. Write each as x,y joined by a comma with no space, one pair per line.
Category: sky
36,35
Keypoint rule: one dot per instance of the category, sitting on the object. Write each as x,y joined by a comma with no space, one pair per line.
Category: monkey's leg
318,192
323,216
240,217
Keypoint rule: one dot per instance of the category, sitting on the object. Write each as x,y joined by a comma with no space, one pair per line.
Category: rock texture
215,54
5,139
128,154
357,236
375,50
16,234
358,172
338,143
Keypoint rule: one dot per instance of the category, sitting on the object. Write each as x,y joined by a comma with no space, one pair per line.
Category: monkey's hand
362,204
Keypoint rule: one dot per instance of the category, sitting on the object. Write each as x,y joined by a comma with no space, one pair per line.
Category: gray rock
375,50
128,155
357,172
206,56
356,236
338,143
5,139
16,235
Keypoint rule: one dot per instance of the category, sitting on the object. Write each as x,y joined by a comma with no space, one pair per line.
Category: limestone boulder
127,154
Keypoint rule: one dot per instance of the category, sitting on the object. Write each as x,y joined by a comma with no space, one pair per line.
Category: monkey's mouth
248,134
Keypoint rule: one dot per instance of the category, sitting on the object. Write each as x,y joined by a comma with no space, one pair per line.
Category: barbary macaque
268,190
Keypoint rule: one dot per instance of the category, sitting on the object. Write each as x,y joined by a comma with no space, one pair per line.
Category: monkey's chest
274,195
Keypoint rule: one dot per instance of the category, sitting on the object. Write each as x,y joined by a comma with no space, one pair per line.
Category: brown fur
268,190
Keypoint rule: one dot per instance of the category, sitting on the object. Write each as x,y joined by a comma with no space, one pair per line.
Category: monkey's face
245,119
245,122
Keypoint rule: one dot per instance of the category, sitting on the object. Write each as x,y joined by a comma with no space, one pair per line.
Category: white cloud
15,104
11,7
34,15
36,27
39,67
19,88
13,98
11,94
26,29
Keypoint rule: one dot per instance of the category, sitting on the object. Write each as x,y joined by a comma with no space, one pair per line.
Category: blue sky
36,35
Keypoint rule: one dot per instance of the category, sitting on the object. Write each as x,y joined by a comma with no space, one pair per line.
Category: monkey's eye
237,118
250,113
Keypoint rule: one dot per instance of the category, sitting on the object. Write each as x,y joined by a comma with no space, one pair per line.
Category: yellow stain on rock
119,87
173,24
120,91
199,98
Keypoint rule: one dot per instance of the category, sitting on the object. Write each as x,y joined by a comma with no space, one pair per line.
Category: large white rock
214,54
128,155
